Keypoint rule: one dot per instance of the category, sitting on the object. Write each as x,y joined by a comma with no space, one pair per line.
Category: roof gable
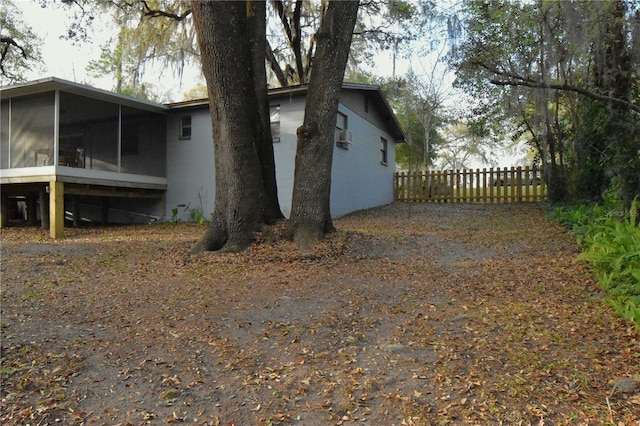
374,93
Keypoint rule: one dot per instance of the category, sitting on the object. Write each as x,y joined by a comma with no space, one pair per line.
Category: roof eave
54,83
396,130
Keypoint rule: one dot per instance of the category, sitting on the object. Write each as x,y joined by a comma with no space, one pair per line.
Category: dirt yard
409,315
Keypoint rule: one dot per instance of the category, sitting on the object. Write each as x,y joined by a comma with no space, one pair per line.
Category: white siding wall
359,181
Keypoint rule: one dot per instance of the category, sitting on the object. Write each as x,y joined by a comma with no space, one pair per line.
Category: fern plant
612,247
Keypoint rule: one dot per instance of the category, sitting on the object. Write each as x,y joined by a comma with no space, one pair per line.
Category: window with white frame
185,127
384,146
274,117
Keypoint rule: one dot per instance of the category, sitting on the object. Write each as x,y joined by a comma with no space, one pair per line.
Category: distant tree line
564,75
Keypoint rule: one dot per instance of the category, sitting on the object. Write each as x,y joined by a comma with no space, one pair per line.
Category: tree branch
297,39
9,41
275,66
568,88
517,80
155,13
279,7
293,31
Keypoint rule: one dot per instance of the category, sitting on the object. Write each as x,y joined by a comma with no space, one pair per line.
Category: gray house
77,153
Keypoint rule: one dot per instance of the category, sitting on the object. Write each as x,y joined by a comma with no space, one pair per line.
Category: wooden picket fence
507,185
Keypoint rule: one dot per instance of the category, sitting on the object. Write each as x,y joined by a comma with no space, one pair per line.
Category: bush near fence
506,185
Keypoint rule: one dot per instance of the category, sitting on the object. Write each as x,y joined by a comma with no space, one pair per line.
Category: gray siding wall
366,104
284,152
190,177
4,135
359,180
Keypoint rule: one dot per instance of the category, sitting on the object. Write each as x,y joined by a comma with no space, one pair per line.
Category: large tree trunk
620,68
232,41
310,211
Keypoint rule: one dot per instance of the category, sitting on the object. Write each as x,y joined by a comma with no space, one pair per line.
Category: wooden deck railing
507,185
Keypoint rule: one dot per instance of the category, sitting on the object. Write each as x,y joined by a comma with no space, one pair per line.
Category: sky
68,60
61,58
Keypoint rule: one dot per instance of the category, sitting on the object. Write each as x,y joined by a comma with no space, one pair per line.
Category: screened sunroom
89,142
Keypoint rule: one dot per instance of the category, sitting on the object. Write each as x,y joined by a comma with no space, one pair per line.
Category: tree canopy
19,45
162,31
565,74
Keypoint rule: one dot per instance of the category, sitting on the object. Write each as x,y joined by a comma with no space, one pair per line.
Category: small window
383,151
341,122
185,127
274,117
343,136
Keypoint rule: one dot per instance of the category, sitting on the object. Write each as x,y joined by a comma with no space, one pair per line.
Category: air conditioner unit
345,136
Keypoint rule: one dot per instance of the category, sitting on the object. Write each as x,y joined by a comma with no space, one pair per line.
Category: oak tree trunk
620,67
232,41
310,210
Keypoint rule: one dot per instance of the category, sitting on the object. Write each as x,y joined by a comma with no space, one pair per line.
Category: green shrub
611,244
580,219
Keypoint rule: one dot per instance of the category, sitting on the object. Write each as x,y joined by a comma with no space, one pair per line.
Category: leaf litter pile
408,315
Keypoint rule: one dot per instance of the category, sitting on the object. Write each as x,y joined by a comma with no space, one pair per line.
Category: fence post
510,188
443,188
424,189
446,185
501,178
519,184
478,185
489,185
464,185
407,186
436,183
411,185
527,182
506,189
395,186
